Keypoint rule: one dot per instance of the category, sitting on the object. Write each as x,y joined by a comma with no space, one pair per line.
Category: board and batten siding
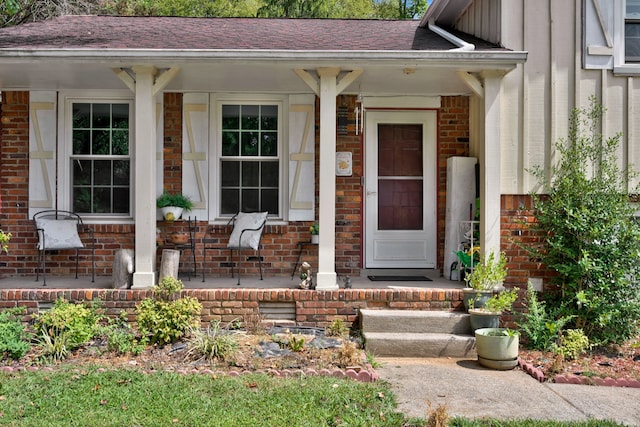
538,96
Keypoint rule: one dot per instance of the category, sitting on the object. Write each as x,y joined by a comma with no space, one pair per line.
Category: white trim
65,148
215,148
401,101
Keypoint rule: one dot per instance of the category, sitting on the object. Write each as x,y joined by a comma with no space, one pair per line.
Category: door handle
371,193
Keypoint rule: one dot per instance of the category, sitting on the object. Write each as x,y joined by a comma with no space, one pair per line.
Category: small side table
301,246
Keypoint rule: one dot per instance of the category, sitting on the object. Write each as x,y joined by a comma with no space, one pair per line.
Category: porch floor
253,282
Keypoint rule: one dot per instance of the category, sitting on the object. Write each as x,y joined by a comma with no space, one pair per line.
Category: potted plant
497,348
487,276
489,315
173,205
314,230
4,241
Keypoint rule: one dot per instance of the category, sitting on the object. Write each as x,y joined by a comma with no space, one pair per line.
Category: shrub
14,340
121,338
591,238
65,327
211,344
337,328
164,317
539,328
572,344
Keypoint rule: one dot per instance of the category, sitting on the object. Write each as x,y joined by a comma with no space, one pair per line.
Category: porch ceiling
415,76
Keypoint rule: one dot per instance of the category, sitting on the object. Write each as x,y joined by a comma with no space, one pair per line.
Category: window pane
249,144
81,116
121,200
82,172
230,174
81,141
120,116
101,142
250,117
250,174
229,202
120,141
231,117
269,201
121,172
82,200
269,144
632,41
230,146
101,200
270,174
102,172
101,116
250,200
269,117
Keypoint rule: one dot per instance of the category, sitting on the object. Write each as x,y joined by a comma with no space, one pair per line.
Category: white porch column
327,278
490,165
145,177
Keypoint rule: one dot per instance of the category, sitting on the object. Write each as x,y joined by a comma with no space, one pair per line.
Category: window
100,158
250,158
632,31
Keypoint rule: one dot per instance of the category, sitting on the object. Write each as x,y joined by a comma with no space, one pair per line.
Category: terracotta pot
179,238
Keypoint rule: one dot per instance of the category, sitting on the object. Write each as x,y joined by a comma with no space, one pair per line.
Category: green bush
572,344
591,238
164,317
539,328
121,338
65,327
14,339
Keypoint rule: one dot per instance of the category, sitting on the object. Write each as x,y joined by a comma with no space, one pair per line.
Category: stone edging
575,379
365,375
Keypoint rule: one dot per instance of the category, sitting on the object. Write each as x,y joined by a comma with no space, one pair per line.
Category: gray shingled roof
171,33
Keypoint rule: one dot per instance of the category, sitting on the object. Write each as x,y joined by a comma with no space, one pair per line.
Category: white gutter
463,45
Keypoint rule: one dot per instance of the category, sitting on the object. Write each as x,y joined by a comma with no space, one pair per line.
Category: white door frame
401,249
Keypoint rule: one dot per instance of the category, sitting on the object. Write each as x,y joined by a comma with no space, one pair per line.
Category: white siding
539,96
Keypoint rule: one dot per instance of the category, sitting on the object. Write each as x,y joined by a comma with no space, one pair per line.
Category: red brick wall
312,308
280,250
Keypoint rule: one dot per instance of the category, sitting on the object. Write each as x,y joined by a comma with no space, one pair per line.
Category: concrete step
410,321
393,344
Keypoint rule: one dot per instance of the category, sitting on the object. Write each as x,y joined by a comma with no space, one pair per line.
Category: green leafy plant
214,343
540,329
314,228
14,339
296,343
4,241
121,338
572,344
337,328
502,301
589,234
178,200
65,327
489,273
165,317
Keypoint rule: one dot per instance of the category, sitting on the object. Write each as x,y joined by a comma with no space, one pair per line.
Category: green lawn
93,397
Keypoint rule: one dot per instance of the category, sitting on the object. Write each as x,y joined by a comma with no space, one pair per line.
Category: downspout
462,45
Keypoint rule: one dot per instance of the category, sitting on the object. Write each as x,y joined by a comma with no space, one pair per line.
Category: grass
92,397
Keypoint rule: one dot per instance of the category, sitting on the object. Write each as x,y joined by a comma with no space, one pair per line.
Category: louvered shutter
42,151
301,157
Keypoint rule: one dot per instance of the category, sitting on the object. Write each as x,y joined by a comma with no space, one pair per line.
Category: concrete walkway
471,391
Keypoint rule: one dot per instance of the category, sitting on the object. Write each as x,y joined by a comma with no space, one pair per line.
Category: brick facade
280,241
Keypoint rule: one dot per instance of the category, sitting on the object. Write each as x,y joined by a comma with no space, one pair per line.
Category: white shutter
195,143
301,157
42,151
597,34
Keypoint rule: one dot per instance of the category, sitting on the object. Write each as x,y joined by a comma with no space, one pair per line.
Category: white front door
400,189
